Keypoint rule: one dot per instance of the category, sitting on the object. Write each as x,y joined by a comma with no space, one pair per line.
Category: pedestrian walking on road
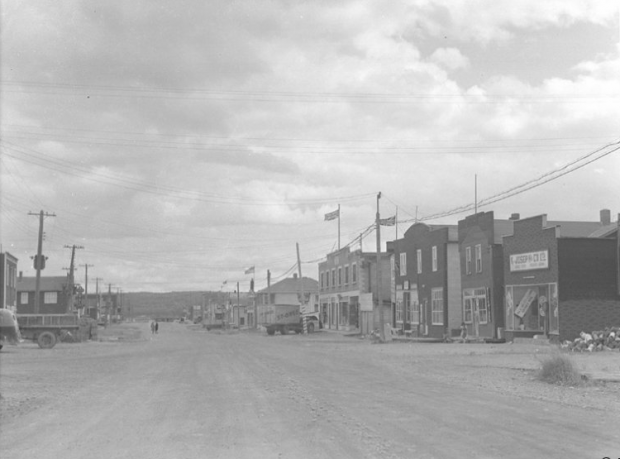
153,326
156,327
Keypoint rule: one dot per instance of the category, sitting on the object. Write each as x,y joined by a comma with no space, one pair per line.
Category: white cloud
450,58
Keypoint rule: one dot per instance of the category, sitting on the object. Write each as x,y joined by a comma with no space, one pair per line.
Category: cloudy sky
181,142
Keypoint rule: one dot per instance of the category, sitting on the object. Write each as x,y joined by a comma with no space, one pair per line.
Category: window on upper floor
339,276
23,298
334,277
50,297
326,279
419,260
467,260
346,274
403,264
434,252
354,272
478,258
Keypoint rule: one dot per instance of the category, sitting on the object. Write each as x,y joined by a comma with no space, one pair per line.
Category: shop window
434,254
483,311
467,310
399,305
403,264
467,260
437,306
415,312
419,260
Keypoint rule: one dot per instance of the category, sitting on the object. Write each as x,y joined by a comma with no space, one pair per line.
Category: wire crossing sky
180,143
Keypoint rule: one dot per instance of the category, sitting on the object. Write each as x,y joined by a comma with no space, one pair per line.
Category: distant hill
172,304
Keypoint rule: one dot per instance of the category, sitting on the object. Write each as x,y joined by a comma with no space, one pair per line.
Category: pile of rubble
605,340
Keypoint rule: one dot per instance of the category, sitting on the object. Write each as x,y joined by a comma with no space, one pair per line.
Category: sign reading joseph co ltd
528,261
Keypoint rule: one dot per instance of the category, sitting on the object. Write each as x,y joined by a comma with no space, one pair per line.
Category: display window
532,308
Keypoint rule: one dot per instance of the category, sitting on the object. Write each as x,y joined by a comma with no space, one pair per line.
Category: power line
530,184
279,96
88,174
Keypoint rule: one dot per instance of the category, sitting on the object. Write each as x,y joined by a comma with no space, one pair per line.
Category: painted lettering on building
529,261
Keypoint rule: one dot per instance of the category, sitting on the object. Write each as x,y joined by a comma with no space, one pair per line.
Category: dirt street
187,393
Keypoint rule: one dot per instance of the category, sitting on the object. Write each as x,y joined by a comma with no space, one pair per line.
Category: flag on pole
250,270
388,221
332,215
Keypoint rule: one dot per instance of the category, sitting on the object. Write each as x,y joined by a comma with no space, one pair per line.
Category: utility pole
71,277
302,299
109,307
39,260
379,300
98,302
86,308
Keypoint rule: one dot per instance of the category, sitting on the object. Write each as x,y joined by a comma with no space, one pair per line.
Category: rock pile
604,340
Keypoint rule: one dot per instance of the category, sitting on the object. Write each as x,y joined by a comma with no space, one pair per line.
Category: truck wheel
284,330
310,328
46,340
271,331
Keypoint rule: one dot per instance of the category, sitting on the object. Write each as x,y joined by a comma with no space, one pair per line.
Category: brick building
482,272
53,295
426,282
561,277
348,290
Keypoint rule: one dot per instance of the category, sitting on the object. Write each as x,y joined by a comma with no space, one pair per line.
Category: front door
475,317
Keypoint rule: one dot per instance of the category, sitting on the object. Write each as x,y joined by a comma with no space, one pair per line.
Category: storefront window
554,317
467,310
532,308
399,306
414,308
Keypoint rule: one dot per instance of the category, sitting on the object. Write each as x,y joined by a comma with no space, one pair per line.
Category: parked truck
47,329
284,318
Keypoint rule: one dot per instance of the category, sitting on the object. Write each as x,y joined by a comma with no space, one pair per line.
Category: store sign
366,303
529,261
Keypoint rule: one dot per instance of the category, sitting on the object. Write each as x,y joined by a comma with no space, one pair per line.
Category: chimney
515,216
294,275
605,217
21,275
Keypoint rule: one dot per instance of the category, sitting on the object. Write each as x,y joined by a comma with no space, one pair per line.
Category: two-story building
53,295
348,290
561,277
426,281
8,278
482,272
288,292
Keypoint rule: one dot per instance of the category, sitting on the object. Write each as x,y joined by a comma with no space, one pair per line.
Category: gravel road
187,393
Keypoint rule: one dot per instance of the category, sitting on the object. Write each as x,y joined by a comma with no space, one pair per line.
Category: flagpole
378,270
338,226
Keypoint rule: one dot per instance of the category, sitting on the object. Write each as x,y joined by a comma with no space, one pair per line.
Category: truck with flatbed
47,329
284,318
